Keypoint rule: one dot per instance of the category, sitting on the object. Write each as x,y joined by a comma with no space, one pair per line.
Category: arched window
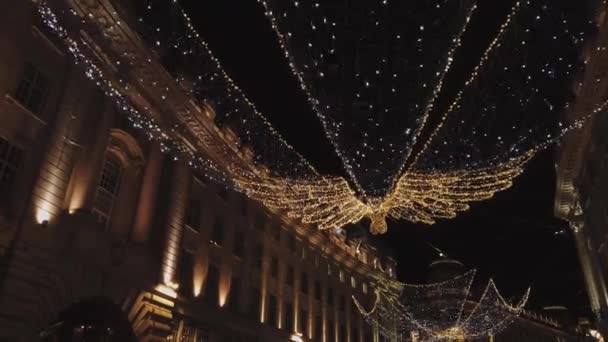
107,189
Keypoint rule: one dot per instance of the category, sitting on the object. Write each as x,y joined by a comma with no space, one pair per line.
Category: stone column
55,170
594,281
178,198
148,195
88,166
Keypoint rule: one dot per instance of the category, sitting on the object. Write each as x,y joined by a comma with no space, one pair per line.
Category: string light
423,193
466,135
189,55
330,203
325,45
441,311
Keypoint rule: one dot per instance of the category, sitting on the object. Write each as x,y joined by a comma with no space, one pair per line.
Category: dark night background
512,237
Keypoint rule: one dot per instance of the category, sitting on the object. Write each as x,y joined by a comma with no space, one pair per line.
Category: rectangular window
239,244
317,290
258,255
342,303
260,223
274,267
303,322
185,272
331,330
193,214
364,288
289,317
272,310
107,190
211,285
304,252
217,232
341,276
289,276
10,160
223,192
235,293
353,282
32,89
277,232
304,283
330,296
318,334
243,205
254,304
292,243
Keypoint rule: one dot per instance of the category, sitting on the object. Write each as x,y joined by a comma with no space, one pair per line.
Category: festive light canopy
374,72
445,311
465,152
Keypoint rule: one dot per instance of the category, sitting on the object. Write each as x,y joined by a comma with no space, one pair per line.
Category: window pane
32,88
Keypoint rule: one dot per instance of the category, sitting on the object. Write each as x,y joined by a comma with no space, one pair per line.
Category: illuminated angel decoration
417,197
374,74
444,311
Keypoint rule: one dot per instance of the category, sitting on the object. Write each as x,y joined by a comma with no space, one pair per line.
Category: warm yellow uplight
42,216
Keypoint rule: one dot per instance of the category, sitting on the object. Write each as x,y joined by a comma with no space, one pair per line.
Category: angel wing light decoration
329,202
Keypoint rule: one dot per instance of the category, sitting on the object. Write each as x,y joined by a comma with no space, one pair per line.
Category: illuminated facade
581,197
91,211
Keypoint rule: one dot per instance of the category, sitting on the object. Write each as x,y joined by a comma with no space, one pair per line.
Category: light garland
444,311
418,197
189,55
143,122
310,71
466,122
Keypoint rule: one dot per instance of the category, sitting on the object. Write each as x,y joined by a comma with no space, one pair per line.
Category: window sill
13,101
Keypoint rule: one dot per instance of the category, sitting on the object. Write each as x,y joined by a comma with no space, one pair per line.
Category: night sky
512,237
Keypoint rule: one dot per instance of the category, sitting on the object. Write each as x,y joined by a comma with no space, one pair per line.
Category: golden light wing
327,202
424,197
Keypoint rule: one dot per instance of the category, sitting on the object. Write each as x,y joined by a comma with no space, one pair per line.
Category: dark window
211,286
289,317
342,303
289,276
303,321
318,331
239,244
217,232
343,332
331,329
243,205
223,192
330,296
260,222
317,290
186,267
258,255
193,213
277,232
33,88
272,310
274,267
304,283
292,243
10,160
107,190
254,304
235,293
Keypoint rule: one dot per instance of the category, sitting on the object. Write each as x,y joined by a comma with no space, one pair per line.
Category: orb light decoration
445,311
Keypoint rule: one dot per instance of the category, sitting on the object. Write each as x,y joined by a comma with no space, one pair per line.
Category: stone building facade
93,215
582,163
